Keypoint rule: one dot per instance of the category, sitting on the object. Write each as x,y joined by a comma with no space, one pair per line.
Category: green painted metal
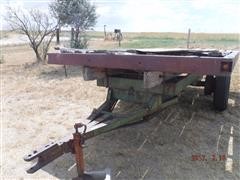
130,118
132,95
176,87
121,83
104,119
133,90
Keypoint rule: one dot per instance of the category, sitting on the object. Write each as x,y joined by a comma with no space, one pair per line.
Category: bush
80,43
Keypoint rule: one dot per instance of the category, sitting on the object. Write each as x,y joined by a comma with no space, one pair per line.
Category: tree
36,25
78,14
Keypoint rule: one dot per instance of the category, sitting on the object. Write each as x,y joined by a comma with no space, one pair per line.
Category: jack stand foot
95,175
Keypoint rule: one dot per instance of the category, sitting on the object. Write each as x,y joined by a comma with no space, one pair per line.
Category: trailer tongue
153,79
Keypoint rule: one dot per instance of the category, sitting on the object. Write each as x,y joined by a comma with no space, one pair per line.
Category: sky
209,16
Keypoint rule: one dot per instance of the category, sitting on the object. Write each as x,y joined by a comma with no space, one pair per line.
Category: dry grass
40,105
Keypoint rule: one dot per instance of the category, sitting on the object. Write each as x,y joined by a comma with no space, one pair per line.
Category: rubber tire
221,92
209,85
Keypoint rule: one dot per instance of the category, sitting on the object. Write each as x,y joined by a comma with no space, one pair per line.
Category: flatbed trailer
151,78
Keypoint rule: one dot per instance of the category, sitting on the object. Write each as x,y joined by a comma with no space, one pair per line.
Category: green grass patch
174,40
153,42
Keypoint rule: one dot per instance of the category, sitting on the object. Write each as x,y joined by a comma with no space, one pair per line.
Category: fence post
72,38
105,33
57,36
188,38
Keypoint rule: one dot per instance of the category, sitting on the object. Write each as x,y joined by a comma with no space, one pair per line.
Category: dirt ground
41,105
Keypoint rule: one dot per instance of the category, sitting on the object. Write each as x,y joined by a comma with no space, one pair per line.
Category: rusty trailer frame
153,79
175,61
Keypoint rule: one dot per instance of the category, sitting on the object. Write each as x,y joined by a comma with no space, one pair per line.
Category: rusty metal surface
48,153
200,65
102,124
77,142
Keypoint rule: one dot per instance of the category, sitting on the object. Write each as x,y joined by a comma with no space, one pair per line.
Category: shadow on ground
164,146
59,72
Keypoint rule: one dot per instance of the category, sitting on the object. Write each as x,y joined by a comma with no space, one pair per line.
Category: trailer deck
201,62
